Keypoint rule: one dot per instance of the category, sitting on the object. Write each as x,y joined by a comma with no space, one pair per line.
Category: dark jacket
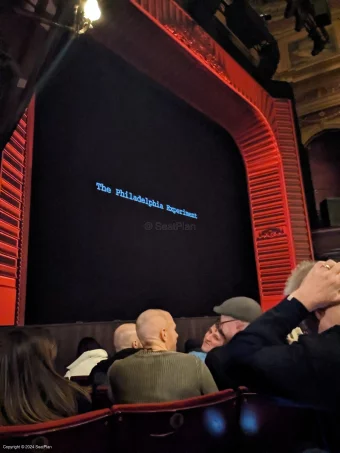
307,371
218,362
98,375
83,404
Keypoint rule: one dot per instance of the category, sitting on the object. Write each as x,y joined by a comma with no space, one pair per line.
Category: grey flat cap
241,308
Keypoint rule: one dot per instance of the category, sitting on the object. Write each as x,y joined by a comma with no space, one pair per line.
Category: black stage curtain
96,256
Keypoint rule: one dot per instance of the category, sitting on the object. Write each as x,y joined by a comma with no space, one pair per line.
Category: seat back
86,433
275,425
200,424
83,381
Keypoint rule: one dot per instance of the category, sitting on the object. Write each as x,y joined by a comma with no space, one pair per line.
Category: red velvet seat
205,424
274,425
86,433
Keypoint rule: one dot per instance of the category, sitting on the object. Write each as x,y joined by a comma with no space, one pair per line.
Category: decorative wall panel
15,182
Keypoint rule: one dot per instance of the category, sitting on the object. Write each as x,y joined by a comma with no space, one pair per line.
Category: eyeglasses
219,325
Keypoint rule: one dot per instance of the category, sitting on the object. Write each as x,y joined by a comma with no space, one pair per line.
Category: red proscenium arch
161,40
15,191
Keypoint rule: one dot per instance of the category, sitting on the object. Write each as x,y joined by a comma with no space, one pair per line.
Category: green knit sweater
151,377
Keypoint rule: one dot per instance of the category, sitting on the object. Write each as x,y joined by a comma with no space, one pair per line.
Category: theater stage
160,40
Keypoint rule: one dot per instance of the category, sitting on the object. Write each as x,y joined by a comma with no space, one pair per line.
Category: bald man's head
125,337
156,329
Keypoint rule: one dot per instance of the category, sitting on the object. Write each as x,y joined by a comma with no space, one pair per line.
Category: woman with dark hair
89,353
31,391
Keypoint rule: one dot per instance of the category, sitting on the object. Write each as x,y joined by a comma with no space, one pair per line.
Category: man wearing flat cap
235,315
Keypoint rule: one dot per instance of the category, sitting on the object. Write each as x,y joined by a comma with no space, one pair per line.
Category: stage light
85,13
91,10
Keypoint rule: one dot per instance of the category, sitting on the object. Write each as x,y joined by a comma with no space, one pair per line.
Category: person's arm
321,284
207,382
264,363
284,370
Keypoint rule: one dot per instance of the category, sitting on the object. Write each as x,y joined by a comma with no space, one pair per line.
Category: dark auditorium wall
90,256
324,159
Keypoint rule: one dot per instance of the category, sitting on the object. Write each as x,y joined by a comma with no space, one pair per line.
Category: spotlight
84,14
91,10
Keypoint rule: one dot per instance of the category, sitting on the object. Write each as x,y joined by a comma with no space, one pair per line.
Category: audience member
236,314
47,339
308,370
89,353
158,373
31,391
297,276
212,339
126,343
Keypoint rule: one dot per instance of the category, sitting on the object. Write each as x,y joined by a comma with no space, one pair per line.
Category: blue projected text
144,200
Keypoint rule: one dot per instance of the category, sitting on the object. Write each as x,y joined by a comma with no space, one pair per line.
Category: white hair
297,276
